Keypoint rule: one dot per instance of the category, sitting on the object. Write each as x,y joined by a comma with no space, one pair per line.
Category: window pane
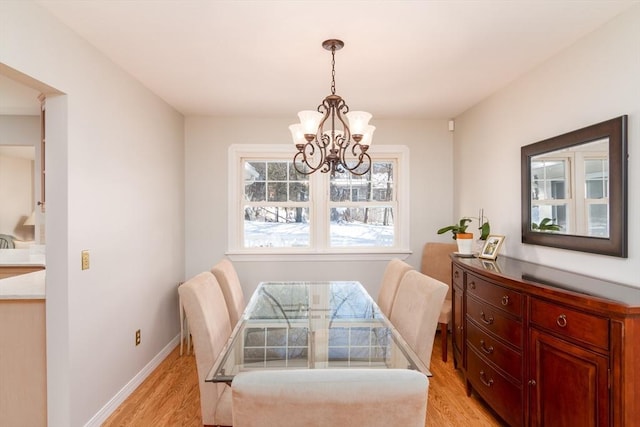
594,189
277,191
596,178
255,171
548,179
299,191
277,171
276,227
361,227
599,220
375,185
255,191
294,175
558,213
382,178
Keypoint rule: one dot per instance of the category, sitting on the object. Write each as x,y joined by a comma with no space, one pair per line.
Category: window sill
318,256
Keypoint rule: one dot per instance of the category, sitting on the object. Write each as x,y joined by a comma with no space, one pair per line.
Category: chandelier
323,138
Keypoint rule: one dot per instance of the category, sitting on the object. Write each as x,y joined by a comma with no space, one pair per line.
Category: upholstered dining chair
393,273
436,262
416,310
232,290
6,242
210,329
330,397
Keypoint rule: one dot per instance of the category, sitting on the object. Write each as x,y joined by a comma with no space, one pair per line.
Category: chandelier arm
305,155
363,159
342,108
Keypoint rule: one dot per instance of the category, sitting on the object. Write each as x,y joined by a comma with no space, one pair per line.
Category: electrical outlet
85,260
138,337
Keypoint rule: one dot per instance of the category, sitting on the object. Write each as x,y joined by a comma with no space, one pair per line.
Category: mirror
574,190
20,162
17,192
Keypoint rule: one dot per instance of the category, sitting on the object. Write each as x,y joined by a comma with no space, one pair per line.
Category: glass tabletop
312,325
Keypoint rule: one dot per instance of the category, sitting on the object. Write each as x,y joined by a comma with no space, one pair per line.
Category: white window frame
319,188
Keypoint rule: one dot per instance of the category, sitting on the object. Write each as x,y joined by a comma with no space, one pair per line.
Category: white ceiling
421,59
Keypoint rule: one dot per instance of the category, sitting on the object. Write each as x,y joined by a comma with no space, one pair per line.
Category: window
550,194
273,209
573,189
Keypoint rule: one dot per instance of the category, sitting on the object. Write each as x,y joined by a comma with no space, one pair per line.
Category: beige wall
594,80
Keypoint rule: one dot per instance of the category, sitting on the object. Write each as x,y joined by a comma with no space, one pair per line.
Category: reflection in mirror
17,194
574,190
571,187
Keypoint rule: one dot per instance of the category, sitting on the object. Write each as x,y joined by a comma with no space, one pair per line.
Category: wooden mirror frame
616,244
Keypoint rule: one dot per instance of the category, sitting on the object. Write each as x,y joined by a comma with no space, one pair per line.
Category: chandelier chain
333,70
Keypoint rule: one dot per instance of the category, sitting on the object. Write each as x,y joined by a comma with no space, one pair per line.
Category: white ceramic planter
465,243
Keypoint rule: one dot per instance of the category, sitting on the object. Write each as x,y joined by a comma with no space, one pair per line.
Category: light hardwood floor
170,397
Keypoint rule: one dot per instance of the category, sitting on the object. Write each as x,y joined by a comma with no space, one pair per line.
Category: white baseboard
108,409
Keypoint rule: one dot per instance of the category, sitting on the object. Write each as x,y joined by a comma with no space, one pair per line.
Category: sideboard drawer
495,321
573,324
493,350
503,298
457,277
501,394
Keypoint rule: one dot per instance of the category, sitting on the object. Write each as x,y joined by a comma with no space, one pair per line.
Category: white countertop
23,286
33,256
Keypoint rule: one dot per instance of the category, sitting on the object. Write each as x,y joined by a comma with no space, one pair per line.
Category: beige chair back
416,310
394,272
208,318
330,397
230,284
436,261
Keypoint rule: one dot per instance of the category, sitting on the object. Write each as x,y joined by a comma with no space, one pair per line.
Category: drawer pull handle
483,378
472,285
505,300
562,320
532,383
456,274
483,347
486,321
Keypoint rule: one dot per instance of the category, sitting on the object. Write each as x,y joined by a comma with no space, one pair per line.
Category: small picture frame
491,246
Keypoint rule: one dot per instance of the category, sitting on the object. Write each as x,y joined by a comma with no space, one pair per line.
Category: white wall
207,142
115,186
592,81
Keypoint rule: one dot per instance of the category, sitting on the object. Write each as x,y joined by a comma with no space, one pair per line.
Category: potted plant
462,236
547,224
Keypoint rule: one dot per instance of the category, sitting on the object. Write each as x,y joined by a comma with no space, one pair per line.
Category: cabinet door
457,335
568,385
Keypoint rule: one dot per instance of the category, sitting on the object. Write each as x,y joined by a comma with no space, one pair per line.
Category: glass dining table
312,325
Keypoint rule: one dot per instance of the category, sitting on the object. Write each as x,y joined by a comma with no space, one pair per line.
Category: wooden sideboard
544,346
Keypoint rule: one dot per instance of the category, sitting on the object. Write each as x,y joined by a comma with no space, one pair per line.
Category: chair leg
443,337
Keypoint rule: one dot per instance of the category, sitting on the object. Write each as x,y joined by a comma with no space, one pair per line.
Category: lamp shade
358,122
297,134
367,138
310,120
